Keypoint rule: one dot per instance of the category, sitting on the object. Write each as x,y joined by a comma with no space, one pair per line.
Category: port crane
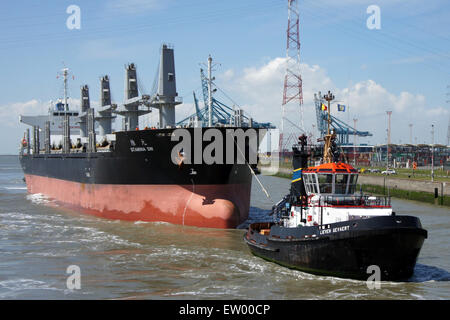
339,127
220,112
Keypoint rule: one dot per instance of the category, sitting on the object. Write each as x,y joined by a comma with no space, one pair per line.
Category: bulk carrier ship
131,174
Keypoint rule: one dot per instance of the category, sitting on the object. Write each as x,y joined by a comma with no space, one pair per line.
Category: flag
324,107
341,107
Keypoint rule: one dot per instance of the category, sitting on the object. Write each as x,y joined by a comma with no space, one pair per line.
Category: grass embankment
419,174
440,175
406,194
283,175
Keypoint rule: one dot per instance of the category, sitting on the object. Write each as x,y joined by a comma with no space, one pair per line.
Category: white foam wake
38,198
15,188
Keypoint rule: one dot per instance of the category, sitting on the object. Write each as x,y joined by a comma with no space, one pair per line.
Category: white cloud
259,89
9,113
12,132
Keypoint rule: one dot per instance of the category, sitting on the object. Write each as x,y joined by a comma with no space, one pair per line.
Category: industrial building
400,155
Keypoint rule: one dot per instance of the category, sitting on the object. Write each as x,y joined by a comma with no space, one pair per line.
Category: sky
403,66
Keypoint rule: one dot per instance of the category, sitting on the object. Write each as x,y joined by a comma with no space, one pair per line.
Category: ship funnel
167,89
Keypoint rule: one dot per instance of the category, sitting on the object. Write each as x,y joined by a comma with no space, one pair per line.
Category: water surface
137,260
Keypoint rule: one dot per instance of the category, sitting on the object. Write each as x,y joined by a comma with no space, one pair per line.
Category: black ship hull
344,249
136,179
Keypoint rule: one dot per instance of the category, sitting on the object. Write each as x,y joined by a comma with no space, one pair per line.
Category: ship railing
355,201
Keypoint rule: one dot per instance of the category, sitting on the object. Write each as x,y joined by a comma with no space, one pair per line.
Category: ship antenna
329,137
65,73
209,92
210,80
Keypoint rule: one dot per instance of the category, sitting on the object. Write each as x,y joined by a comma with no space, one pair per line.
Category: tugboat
324,227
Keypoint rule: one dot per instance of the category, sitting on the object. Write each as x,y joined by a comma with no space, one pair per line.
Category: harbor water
40,240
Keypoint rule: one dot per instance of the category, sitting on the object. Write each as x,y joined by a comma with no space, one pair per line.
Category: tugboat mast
327,154
329,97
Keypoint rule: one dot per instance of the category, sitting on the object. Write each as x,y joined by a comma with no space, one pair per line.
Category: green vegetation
283,175
406,194
419,174
396,193
402,173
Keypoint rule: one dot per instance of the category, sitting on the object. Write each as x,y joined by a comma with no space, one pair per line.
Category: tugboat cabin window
340,186
314,183
339,183
325,183
310,183
339,179
352,185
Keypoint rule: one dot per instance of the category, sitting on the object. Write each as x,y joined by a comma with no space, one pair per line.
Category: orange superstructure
331,167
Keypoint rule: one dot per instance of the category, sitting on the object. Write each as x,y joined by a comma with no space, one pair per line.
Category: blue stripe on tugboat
297,175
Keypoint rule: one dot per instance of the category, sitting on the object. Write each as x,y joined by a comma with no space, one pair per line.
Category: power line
214,16
379,37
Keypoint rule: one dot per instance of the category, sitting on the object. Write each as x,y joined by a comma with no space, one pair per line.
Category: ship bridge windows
325,183
330,183
340,185
352,184
310,182
337,183
72,114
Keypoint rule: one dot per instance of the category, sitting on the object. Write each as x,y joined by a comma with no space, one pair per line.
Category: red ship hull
136,179
212,206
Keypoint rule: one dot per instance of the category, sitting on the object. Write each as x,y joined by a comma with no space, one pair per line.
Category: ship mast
209,92
66,122
327,154
65,73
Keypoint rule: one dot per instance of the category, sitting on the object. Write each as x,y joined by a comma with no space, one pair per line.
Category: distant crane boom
342,130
